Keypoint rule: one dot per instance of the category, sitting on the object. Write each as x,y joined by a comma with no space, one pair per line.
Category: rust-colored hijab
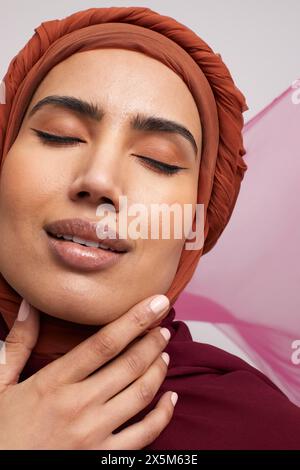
219,101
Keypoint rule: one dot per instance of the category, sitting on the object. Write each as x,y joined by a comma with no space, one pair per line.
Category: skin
40,183
79,396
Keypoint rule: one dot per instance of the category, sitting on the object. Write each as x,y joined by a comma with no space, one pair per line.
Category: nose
99,177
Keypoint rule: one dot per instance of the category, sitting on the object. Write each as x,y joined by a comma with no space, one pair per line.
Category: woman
105,103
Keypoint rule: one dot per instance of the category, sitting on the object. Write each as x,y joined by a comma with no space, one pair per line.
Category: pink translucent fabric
248,286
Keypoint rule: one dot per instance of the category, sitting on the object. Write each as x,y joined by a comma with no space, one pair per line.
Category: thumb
19,343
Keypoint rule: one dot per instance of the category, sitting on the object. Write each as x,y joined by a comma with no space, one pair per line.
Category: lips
74,243
83,232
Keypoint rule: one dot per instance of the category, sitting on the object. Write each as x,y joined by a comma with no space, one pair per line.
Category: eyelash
51,139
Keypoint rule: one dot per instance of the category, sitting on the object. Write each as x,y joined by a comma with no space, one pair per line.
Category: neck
56,336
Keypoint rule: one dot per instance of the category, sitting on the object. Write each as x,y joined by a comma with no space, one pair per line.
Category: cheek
177,200
27,185
16,188
156,264
26,182
162,255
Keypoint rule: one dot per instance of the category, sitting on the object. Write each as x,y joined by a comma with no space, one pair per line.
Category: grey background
258,41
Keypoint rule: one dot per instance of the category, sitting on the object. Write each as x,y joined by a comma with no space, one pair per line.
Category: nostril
82,194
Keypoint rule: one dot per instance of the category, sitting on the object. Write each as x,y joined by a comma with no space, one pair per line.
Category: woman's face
42,182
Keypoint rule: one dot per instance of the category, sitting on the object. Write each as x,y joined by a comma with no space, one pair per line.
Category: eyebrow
95,112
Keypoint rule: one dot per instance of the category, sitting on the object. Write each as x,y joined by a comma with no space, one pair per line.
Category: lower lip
84,258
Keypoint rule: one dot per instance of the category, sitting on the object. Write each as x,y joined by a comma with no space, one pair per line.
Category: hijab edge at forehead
130,37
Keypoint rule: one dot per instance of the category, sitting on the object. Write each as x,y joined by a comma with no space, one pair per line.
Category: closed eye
160,166
51,139
56,140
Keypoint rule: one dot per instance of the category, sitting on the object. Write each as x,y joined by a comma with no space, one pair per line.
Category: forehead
123,82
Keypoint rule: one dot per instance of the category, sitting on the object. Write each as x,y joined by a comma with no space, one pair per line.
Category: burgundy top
224,403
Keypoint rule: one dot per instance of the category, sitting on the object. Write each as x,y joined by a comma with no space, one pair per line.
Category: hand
78,400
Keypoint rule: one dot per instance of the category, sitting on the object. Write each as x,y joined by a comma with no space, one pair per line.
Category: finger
121,372
19,344
137,396
140,434
104,345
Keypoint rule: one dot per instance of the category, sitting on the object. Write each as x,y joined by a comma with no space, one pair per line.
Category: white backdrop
258,41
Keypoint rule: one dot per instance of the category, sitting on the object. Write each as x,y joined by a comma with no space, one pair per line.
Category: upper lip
86,229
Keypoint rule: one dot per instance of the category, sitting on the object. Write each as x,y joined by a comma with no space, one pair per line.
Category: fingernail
174,398
165,357
24,311
159,304
166,333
